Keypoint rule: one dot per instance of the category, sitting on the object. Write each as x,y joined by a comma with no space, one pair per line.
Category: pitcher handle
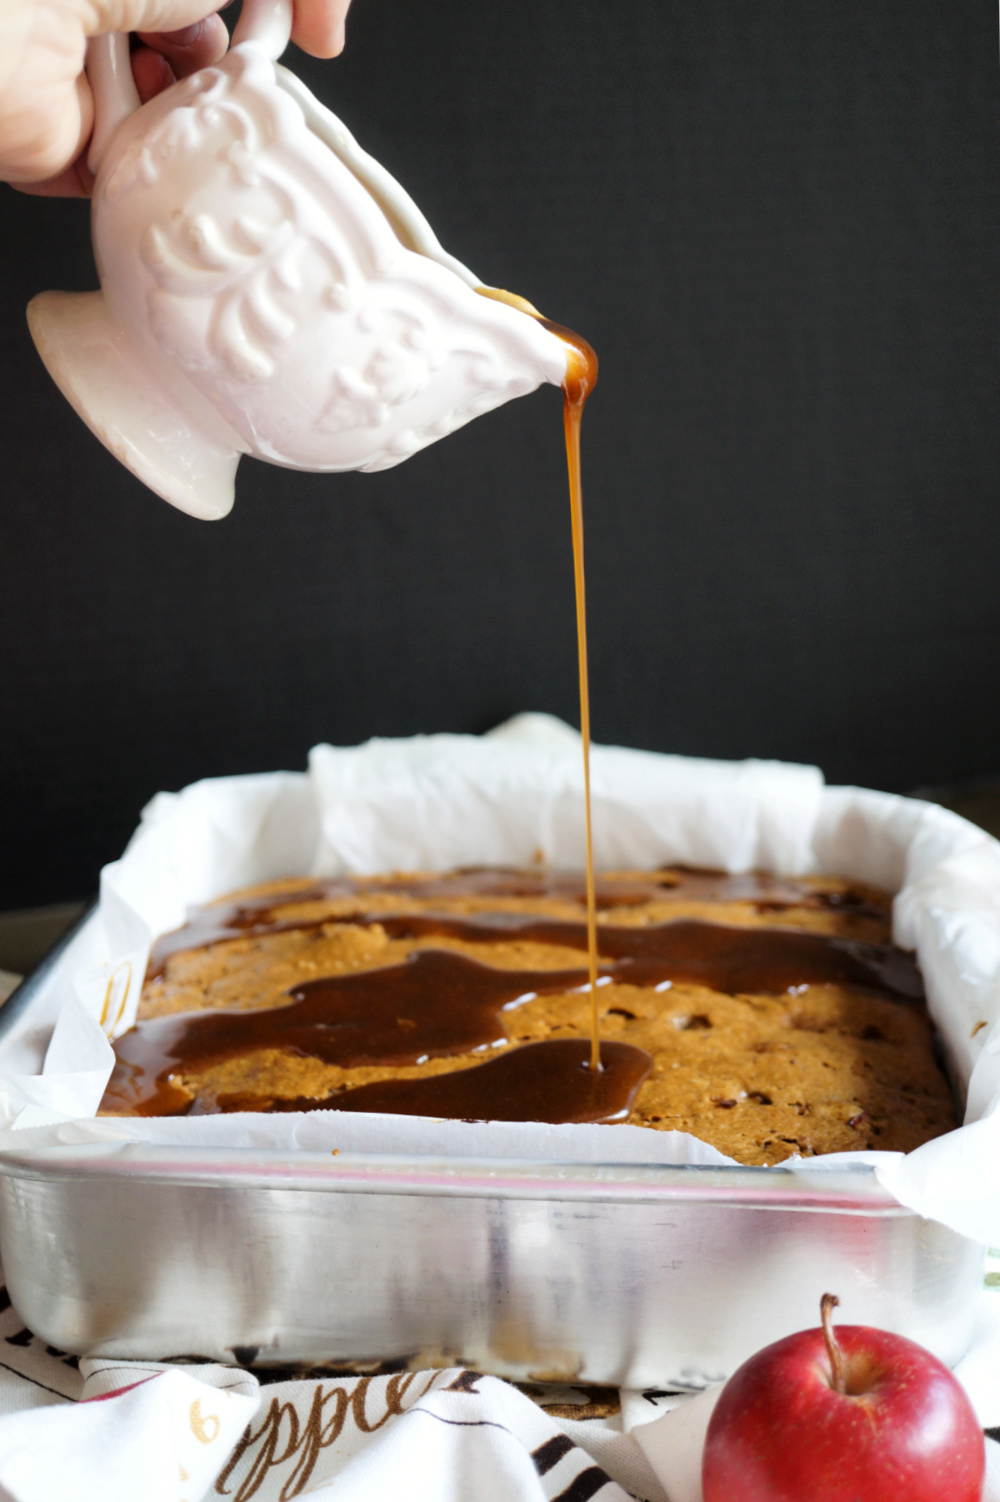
109,71
267,24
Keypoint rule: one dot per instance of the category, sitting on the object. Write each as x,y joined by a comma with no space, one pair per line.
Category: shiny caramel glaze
281,906
763,1040
730,960
549,1081
435,1004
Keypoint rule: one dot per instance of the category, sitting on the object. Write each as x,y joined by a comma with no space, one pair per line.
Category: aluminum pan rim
854,1191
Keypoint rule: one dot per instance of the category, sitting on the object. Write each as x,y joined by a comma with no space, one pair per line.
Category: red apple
853,1416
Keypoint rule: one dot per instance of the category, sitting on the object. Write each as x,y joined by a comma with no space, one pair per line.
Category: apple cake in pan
767,1016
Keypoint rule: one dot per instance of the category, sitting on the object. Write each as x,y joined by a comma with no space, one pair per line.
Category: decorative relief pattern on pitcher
240,249
267,289
399,369
264,282
238,278
185,128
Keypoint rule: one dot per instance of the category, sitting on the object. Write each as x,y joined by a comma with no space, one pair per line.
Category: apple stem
827,1305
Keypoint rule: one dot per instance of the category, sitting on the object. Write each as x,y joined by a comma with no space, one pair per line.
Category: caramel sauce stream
579,382
581,374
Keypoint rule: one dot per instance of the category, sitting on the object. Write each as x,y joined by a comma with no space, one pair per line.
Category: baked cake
766,1016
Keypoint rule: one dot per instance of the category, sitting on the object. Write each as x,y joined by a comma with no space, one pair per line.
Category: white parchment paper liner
436,802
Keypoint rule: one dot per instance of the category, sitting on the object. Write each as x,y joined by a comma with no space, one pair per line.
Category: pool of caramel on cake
761,1076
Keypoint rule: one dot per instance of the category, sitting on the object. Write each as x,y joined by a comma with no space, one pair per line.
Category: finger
164,17
319,26
152,73
57,165
75,181
191,48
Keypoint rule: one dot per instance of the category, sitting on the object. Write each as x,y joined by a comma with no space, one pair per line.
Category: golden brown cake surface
745,1055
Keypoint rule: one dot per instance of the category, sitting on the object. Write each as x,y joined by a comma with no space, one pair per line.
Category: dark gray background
777,221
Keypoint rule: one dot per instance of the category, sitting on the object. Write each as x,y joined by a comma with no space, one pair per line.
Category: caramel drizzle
439,1003
550,1081
722,957
256,915
435,1004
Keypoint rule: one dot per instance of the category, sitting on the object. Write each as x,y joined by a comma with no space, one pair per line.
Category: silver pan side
632,1275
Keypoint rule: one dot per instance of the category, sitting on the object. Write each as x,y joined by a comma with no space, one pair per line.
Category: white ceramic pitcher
267,288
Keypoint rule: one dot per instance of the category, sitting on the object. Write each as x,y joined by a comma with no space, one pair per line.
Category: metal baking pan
627,1274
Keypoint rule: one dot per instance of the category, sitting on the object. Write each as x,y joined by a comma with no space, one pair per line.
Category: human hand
46,108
